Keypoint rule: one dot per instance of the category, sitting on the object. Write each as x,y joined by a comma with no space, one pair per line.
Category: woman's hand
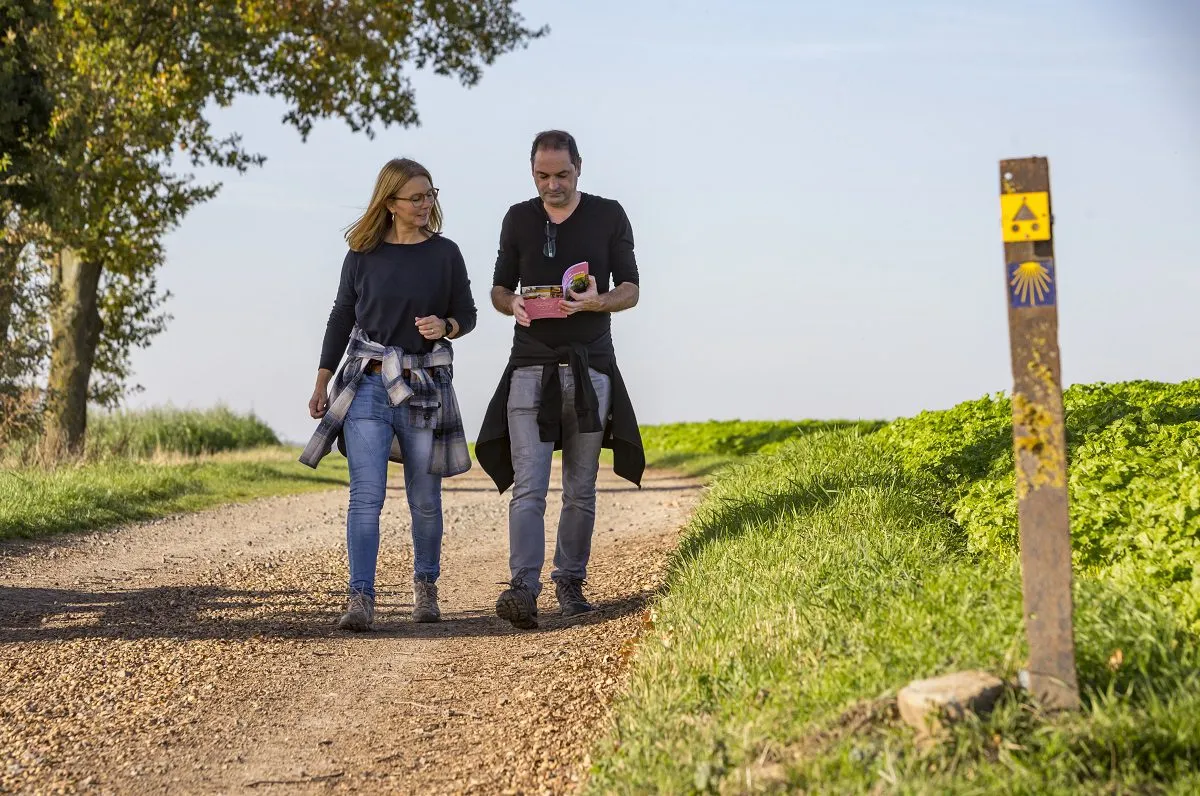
318,405
432,327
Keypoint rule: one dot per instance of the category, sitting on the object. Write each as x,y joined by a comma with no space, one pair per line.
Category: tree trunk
10,255
75,332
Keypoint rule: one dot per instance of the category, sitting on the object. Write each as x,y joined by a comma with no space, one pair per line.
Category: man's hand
518,310
509,303
587,301
432,327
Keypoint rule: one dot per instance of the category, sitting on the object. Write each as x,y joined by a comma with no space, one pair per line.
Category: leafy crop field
821,576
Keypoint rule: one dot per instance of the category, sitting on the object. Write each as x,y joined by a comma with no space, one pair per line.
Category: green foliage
1133,482
133,85
25,105
24,346
131,306
180,431
160,432
351,59
814,582
25,102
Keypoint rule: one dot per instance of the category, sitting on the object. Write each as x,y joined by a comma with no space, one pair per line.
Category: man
561,389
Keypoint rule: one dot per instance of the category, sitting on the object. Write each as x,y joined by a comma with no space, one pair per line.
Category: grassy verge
703,449
190,432
816,580
36,502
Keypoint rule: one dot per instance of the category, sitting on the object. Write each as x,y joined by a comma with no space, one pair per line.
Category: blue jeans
370,426
532,459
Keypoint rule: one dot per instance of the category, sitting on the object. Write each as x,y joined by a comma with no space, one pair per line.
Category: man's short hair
556,140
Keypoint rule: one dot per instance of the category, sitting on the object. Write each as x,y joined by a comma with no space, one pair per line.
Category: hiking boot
517,604
569,592
425,606
360,613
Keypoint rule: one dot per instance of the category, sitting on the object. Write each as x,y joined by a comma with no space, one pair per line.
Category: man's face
556,176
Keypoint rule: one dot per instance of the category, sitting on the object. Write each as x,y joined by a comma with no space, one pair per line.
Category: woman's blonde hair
369,230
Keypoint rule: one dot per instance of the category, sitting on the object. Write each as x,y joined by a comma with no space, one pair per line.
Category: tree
24,116
22,355
24,104
131,83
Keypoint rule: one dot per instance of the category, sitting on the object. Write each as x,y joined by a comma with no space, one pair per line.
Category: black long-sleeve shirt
598,231
386,289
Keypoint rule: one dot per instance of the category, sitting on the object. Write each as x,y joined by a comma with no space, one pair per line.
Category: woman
404,294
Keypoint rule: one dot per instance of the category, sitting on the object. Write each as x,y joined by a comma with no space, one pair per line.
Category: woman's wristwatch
449,327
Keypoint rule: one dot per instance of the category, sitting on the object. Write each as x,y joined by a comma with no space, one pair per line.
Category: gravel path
198,654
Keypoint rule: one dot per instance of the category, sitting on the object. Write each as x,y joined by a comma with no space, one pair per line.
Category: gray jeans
531,465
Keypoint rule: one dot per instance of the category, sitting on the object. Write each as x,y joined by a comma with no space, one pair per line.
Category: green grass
150,463
37,502
703,449
817,580
159,431
189,432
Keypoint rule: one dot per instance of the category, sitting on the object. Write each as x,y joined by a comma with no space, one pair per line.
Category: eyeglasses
431,195
551,246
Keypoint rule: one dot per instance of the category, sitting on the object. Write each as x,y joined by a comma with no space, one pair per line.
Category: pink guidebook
541,301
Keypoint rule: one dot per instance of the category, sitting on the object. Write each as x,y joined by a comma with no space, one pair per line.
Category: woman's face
410,212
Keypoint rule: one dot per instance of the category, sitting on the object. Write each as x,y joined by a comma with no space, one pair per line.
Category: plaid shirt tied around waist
429,391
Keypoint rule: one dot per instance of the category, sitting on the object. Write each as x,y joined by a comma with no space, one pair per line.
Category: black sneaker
517,604
569,592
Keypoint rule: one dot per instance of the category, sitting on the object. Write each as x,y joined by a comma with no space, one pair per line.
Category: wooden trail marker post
1039,438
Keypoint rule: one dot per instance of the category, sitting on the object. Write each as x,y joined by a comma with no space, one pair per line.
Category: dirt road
198,654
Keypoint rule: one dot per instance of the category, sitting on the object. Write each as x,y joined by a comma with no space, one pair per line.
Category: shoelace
518,581
426,591
359,603
573,590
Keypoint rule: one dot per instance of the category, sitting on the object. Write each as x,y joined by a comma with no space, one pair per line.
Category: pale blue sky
812,188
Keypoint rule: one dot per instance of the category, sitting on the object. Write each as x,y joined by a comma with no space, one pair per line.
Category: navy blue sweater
386,289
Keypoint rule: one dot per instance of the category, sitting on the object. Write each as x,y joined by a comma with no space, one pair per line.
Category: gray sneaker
569,592
425,605
517,604
360,613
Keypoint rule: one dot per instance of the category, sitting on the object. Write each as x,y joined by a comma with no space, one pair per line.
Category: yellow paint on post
1025,216
1039,442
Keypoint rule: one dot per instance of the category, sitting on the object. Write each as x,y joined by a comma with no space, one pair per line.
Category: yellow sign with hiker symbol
1025,216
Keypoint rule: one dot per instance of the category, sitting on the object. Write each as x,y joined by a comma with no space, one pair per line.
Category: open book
541,301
